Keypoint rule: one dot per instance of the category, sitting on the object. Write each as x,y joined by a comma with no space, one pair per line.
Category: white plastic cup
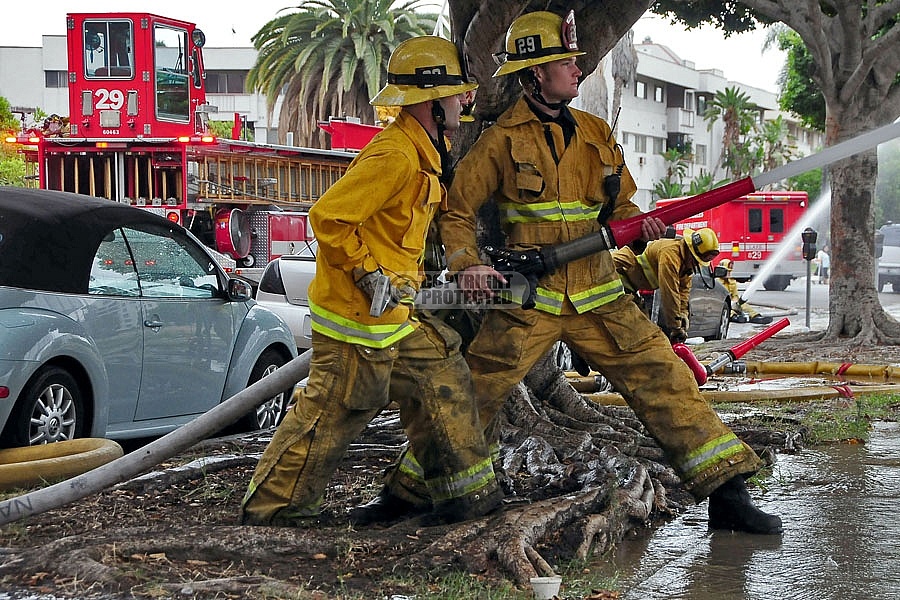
545,588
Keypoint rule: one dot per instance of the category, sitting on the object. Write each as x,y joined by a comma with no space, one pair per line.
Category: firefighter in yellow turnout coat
668,265
545,166
373,223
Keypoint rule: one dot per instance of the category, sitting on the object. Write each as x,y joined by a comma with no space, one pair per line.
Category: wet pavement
841,508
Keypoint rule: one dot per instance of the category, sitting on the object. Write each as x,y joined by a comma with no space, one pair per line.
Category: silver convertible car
116,323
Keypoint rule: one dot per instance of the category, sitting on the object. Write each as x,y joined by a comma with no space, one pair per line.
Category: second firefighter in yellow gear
372,224
545,166
668,266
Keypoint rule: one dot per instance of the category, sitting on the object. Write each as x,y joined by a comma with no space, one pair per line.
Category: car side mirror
239,290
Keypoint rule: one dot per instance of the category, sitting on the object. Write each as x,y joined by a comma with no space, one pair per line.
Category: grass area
578,581
828,420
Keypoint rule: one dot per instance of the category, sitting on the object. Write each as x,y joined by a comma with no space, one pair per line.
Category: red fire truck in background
137,132
750,229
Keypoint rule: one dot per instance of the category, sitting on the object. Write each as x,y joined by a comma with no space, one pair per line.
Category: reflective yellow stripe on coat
343,329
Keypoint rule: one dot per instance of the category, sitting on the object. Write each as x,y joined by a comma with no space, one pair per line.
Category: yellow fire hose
34,465
589,386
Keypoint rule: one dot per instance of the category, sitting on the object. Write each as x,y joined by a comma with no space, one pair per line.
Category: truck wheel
50,409
777,283
269,413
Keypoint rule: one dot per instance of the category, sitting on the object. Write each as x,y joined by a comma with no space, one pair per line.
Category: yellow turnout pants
348,386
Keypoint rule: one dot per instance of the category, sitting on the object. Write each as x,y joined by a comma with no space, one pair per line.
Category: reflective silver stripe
548,301
340,328
513,212
597,296
461,484
455,486
577,211
411,467
652,278
530,213
709,453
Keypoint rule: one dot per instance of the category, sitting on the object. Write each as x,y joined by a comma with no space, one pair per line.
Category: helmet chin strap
440,119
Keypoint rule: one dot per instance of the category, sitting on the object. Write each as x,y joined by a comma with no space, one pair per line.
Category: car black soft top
48,238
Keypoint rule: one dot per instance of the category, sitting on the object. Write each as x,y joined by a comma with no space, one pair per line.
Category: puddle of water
839,505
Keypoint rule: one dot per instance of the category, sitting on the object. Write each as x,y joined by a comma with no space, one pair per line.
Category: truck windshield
108,50
172,78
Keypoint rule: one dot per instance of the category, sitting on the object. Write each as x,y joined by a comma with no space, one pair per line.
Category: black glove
677,335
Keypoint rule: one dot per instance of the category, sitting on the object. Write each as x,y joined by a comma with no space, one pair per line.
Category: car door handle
153,324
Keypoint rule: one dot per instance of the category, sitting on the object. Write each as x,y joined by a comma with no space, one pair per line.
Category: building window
701,105
56,79
624,140
225,82
658,93
700,154
640,143
640,89
659,145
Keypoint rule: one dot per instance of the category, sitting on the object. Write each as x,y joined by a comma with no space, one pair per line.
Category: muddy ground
173,533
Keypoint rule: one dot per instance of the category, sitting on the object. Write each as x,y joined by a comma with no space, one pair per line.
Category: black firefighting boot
468,507
730,507
383,509
760,319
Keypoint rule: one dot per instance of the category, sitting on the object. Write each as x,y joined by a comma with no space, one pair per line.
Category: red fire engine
750,229
137,132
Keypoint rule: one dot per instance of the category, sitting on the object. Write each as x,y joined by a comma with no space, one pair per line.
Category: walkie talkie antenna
615,122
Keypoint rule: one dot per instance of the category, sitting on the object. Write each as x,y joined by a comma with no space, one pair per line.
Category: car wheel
269,413
724,322
50,409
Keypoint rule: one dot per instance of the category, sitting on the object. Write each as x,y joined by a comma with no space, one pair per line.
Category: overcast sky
739,57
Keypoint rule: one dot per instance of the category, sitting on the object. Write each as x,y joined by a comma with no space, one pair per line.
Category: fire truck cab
750,229
138,133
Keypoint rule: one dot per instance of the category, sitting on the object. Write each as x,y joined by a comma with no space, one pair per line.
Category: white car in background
889,261
283,290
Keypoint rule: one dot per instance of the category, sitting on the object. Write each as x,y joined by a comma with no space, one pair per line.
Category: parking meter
809,236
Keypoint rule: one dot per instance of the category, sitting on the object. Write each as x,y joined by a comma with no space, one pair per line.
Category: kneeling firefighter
668,266
371,227
741,312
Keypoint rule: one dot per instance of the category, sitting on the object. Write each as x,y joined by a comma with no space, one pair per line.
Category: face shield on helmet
703,244
424,68
726,264
537,38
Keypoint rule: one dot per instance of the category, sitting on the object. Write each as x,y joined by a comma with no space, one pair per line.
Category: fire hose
703,372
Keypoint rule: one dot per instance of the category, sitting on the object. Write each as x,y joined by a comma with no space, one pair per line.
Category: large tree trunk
853,302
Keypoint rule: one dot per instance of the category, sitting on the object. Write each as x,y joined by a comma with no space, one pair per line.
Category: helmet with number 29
536,38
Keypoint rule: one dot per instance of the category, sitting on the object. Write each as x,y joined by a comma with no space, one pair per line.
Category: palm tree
739,115
329,59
